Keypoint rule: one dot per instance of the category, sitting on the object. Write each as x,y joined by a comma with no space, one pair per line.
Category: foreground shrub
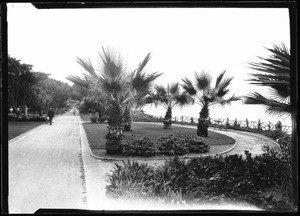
197,144
204,179
138,146
280,166
132,180
274,134
172,144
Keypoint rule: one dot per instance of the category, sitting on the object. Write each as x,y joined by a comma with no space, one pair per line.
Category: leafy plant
172,144
197,144
94,117
132,180
138,146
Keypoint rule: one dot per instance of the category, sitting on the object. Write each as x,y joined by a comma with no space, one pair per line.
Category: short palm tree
206,95
168,97
274,72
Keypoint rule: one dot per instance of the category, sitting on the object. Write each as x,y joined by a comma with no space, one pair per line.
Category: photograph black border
291,5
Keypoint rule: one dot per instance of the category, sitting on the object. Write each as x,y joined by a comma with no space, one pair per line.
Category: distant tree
20,83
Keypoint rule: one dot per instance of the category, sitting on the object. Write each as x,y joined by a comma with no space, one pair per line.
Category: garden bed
96,137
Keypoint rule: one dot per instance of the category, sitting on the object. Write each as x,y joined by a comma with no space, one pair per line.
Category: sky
182,41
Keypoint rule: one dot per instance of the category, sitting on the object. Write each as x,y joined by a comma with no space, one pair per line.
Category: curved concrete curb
84,139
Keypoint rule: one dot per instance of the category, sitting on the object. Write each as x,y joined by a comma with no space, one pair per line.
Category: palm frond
160,90
83,82
203,80
228,101
112,63
221,92
219,78
274,73
188,86
111,85
87,65
183,99
143,63
141,81
273,107
174,88
224,84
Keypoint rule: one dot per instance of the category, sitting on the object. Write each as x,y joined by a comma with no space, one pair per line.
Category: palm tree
274,72
169,97
207,95
120,89
83,88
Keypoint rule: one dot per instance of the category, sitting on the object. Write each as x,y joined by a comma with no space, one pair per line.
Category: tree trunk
168,118
25,110
203,121
127,120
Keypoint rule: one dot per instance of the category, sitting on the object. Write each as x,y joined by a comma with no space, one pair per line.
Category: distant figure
50,115
74,111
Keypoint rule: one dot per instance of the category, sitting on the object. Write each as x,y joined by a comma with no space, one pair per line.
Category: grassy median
96,133
17,128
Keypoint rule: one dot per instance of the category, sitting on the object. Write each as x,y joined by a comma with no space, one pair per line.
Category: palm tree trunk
127,120
203,121
168,118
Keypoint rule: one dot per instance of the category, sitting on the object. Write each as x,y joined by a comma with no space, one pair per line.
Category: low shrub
172,144
274,134
38,119
197,144
24,118
12,117
102,118
94,118
138,146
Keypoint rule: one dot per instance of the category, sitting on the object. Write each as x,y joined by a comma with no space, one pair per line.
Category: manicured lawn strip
17,128
96,133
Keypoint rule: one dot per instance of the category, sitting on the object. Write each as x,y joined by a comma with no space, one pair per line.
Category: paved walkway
52,168
46,169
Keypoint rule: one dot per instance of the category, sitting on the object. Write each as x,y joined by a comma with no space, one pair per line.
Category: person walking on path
50,115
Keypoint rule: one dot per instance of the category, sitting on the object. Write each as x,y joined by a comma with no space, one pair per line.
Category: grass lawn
17,128
96,133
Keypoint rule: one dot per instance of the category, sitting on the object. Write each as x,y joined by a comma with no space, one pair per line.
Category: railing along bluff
242,123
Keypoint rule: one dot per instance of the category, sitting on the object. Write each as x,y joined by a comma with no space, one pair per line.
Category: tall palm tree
274,72
120,88
207,95
169,97
116,81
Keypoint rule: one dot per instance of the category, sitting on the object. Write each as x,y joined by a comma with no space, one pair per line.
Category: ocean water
236,110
